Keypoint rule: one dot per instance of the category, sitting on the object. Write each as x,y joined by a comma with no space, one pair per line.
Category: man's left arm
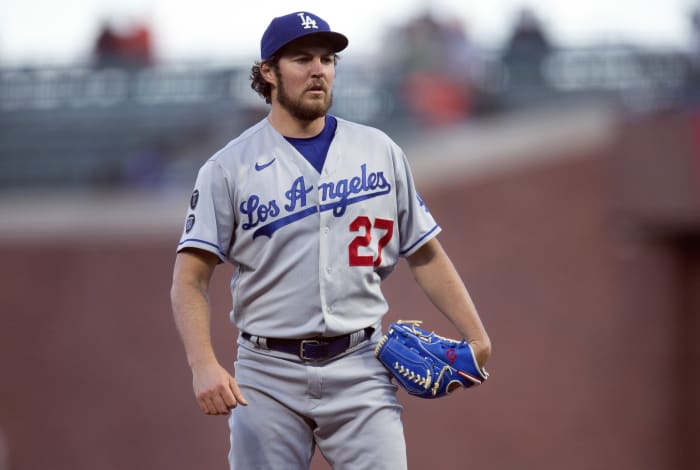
437,276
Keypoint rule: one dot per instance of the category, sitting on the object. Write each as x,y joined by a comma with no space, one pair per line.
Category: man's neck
289,126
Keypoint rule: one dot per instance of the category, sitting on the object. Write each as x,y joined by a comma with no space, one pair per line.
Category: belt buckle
313,342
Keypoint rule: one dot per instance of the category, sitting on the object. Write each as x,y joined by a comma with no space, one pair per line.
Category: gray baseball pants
345,406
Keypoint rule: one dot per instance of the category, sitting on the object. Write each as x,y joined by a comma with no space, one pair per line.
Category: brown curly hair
258,83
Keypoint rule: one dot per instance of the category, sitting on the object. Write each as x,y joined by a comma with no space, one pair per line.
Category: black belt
310,349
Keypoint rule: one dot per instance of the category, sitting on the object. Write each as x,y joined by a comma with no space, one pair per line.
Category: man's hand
216,390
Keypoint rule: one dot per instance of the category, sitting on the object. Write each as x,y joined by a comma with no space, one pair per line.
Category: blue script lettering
256,212
343,188
334,196
297,193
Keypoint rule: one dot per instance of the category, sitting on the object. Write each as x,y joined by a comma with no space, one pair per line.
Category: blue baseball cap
285,29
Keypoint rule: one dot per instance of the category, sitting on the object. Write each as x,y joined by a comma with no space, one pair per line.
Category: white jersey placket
326,236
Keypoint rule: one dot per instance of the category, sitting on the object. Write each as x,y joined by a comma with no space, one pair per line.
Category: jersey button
326,230
329,269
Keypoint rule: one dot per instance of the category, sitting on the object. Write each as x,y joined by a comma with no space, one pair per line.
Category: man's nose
317,68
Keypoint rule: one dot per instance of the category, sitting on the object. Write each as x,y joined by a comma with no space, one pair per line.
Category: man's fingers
229,398
211,403
202,406
206,405
220,406
238,395
216,391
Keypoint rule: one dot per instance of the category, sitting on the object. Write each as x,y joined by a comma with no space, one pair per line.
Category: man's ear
268,73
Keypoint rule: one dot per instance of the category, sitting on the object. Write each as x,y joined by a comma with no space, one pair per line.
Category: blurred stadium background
567,179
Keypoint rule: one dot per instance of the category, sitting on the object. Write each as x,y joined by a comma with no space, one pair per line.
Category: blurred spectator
694,57
525,53
461,56
107,47
131,48
420,42
435,59
695,36
136,46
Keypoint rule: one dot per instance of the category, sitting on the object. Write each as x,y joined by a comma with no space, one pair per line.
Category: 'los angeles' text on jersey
267,217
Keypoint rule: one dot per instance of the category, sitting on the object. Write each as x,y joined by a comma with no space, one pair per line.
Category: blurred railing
81,126
657,78
47,89
51,88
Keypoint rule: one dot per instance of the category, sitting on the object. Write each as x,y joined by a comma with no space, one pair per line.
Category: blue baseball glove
425,364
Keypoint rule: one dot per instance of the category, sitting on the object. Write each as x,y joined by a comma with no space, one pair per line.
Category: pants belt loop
356,338
259,341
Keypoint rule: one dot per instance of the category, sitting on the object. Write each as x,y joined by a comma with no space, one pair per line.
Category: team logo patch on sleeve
194,199
190,223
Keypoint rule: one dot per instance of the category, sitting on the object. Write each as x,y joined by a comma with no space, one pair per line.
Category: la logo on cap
285,29
306,21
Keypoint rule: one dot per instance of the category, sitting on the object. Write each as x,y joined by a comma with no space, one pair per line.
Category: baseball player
314,212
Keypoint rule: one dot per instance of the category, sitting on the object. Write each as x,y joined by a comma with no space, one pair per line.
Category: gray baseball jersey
310,250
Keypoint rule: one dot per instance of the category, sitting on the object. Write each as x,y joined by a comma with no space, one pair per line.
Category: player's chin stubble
301,110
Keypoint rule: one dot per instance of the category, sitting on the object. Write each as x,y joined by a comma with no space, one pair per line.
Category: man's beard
299,109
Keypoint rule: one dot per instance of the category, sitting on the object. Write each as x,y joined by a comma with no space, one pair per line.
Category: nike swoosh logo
260,167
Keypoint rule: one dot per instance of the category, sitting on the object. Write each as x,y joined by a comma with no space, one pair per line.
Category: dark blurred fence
83,126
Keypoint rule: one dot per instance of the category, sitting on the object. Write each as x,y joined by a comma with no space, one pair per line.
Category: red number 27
363,223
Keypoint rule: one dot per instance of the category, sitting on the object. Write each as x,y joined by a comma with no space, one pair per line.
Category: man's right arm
215,389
